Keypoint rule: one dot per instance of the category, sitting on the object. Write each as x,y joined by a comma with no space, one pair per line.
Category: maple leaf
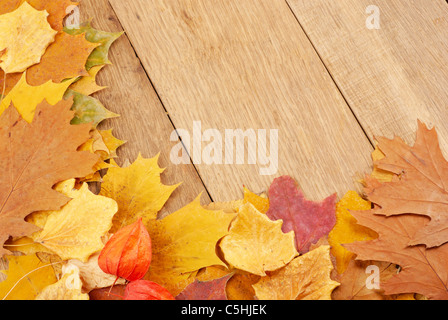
206,290
34,159
57,9
184,242
309,220
25,34
138,191
88,109
75,231
99,56
65,58
305,278
423,270
346,230
257,244
87,85
261,203
67,288
26,98
421,187
26,277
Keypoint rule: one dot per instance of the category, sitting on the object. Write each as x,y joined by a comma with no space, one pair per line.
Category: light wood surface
391,76
143,123
247,64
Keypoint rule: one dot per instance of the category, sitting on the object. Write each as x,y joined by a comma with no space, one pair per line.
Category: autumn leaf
57,9
257,244
26,98
65,58
138,191
99,56
127,254
67,288
355,278
184,242
347,230
305,278
34,158
92,276
109,293
26,277
420,187
206,290
261,203
87,85
25,34
422,270
309,220
75,231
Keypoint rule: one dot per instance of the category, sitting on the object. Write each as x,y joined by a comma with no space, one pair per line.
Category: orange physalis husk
127,254
146,290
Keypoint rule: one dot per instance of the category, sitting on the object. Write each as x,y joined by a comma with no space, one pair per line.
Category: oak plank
143,122
246,64
391,76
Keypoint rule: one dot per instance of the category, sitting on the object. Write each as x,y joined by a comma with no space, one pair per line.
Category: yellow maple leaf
26,98
25,34
87,85
305,278
261,203
26,277
75,231
138,191
257,244
346,229
67,288
184,242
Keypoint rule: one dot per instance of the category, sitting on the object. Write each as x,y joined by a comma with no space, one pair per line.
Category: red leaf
146,290
309,220
207,290
128,253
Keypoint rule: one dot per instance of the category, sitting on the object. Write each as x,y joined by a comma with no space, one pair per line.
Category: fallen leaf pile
60,241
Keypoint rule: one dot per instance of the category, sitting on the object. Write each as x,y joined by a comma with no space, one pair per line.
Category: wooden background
309,68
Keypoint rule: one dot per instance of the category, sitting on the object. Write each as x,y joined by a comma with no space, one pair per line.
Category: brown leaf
420,185
423,270
206,290
34,158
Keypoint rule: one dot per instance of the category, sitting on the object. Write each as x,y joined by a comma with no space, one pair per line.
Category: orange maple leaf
420,185
35,157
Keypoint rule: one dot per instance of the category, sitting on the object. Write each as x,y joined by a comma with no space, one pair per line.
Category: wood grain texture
247,64
143,123
392,76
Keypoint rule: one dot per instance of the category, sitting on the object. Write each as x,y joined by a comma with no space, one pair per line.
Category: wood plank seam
161,101
331,75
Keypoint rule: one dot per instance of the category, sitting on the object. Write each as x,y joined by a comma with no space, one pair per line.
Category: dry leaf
423,270
75,231
25,34
137,190
256,244
184,242
305,278
347,230
206,290
34,158
26,276
420,187
67,288
309,220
